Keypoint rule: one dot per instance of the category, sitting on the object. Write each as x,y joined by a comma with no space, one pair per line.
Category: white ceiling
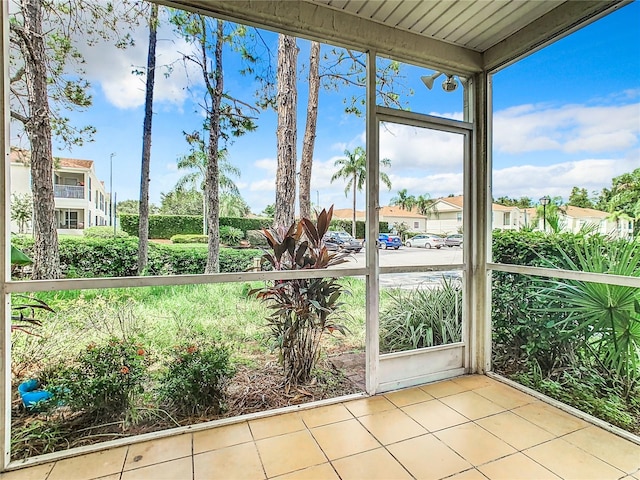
462,36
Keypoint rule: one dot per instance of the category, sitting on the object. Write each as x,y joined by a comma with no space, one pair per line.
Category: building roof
395,211
579,212
347,214
19,155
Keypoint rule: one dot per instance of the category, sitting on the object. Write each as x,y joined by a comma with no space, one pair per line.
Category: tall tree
181,201
143,227
522,202
43,83
233,205
286,105
622,201
306,159
353,168
404,200
579,197
225,115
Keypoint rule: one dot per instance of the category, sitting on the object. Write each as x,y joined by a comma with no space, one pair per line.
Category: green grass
164,316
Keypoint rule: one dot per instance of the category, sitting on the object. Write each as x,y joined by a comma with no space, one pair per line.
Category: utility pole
111,218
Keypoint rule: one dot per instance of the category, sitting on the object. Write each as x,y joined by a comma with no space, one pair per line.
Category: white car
426,241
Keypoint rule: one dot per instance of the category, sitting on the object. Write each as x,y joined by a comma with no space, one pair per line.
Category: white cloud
569,129
112,69
557,180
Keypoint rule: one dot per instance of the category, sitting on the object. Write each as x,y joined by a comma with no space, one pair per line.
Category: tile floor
467,428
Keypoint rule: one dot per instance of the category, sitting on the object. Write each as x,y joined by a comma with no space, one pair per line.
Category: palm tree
232,205
196,161
425,205
404,200
354,170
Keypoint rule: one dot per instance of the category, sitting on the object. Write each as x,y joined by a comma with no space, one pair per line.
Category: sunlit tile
344,438
472,405
37,472
92,465
220,437
315,417
367,406
392,426
516,467
180,468
471,382
318,472
515,430
434,415
614,450
235,462
505,396
550,418
471,474
571,463
289,452
428,458
408,396
276,425
474,444
442,389
157,451
372,465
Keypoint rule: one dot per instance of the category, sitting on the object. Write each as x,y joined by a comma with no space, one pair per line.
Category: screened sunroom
424,408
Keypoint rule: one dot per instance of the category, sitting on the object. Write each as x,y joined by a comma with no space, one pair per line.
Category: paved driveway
413,256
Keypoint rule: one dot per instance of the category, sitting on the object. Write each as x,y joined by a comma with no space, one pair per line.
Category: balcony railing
68,191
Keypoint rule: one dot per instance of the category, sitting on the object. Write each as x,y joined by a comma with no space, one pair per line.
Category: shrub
230,235
105,379
245,224
163,226
103,232
422,318
189,239
257,238
195,379
303,308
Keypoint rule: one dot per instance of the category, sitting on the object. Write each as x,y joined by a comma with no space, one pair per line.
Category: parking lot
406,256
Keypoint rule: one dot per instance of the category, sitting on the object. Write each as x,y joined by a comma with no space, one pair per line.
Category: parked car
426,241
341,241
386,240
453,240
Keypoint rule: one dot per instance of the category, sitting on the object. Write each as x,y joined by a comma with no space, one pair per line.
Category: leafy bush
165,226
105,380
195,379
189,239
230,235
256,238
303,308
421,318
103,232
94,257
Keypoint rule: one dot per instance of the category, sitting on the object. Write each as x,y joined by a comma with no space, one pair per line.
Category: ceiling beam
318,22
559,22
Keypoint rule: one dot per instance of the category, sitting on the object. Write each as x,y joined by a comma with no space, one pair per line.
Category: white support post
479,226
5,246
372,200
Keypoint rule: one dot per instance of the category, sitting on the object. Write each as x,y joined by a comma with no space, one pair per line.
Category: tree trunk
213,172
46,260
355,188
286,133
306,160
143,228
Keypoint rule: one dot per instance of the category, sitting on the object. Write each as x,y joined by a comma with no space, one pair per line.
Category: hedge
340,224
92,257
166,226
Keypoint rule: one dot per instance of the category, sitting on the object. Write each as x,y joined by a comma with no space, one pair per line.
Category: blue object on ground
31,394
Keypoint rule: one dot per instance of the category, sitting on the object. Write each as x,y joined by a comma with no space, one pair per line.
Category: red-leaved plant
303,309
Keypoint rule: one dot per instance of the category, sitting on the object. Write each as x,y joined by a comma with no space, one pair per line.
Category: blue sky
566,115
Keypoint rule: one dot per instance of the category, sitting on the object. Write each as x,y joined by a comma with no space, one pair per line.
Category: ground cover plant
134,355
422,317
574,340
